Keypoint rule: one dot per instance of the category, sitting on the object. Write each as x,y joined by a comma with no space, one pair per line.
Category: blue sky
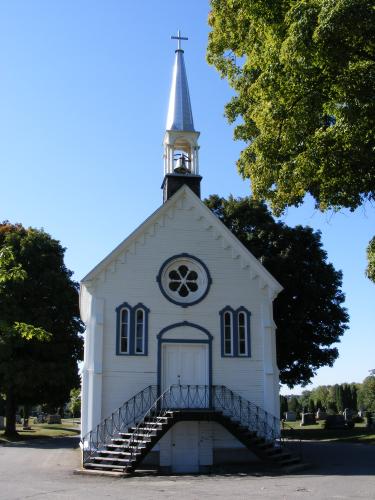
84,90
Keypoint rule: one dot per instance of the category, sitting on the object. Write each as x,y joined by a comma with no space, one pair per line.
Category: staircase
122,441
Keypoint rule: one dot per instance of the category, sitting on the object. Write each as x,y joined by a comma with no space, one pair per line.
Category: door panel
186,365
185,447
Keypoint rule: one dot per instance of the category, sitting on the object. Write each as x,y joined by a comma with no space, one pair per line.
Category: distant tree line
333,398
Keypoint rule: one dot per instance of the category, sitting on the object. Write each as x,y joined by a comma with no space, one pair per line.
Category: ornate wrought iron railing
146,406
216,397
128,415
248,414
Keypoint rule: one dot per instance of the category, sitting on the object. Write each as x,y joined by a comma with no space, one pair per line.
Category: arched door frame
207,340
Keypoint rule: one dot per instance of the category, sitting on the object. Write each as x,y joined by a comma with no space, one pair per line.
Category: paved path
44,470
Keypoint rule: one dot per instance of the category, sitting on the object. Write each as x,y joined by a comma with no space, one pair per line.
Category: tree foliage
40,326
74,404
370,271
367,393
304,73
308,312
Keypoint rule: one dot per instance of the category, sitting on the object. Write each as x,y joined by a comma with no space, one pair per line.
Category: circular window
184,280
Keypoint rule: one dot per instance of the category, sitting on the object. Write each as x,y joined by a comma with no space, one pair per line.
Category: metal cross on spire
179,38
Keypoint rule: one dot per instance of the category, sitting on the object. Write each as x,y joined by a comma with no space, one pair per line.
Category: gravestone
308,419
335,422
290,416
53,419
348,415
370,420
2,426
321,415
26,426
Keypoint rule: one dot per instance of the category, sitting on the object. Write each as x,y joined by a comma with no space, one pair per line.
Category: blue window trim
208,341
132,329
160,273
235,313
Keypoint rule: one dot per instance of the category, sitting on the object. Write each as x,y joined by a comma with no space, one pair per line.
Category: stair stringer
266,451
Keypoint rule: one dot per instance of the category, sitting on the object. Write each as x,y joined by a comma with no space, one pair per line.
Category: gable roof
185,194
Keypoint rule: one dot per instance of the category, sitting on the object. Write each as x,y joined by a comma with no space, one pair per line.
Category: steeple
181,139
180,116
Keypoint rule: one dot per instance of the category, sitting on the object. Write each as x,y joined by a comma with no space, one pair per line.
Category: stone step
91,465
120,448
132,439
159,426
127,435
111,460
157,419
124,441
112,452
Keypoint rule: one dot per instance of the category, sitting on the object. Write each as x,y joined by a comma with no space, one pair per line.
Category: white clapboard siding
131,278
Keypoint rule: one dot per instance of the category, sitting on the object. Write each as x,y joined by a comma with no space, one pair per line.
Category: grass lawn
359,434
40,431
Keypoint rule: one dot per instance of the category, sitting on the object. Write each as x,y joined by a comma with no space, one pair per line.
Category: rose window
184,280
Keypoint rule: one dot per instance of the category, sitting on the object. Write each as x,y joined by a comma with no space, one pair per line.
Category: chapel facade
180,338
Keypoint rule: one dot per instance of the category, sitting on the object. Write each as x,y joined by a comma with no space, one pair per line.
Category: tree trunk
10,414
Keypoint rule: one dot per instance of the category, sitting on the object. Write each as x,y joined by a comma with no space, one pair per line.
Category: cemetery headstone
53,419
335,422
321,415
290,416
308,419
26,426
348,415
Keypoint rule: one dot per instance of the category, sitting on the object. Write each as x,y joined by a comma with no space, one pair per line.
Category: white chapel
180,354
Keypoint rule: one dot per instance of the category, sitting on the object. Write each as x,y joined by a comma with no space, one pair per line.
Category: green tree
354,396
283,406
40,326
367,393
331,403
74,404
370,271
321,396
305,400
339,397
308,312
303,73
294,404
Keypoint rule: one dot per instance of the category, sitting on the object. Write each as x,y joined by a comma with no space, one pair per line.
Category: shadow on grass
357,434
36,439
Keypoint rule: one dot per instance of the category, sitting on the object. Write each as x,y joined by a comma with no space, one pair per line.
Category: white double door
185,365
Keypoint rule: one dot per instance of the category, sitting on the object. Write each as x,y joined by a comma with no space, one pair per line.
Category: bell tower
181,158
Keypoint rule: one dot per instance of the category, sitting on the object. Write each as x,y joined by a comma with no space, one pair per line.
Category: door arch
171,342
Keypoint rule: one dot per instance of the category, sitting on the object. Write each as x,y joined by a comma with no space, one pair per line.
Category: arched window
132,326
124,330
235,332
139,331
228,333
242,337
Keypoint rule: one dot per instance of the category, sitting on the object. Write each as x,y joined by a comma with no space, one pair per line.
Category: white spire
180,116
181,139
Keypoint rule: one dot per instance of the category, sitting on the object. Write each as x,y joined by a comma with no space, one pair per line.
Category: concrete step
128,435
112,460
92,465
119,453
